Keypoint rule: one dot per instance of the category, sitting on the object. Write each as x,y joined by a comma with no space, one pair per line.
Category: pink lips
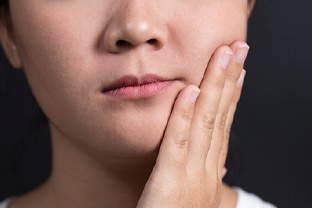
131,87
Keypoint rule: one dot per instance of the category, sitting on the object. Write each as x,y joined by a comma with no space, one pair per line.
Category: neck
81,179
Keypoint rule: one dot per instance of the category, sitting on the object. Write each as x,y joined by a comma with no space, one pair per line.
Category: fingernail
225,59
224,172
194,94
241,79
241,52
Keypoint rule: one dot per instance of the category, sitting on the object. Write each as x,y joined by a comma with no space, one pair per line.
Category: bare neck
79,179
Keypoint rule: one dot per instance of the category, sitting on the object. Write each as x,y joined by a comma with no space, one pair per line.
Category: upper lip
131,80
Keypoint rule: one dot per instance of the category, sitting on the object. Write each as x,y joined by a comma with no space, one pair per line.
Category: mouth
131,87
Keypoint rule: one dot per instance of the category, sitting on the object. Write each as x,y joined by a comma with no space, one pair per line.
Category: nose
134,25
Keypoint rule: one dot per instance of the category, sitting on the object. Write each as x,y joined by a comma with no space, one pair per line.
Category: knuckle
233,76
184,114
209,120
228,128
221,118
218,81
216,77
181,143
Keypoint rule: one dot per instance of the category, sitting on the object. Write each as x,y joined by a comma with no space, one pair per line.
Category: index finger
207,104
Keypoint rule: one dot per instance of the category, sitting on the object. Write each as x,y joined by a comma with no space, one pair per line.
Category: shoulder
249,200
5,203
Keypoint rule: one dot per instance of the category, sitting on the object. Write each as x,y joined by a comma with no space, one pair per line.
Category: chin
123,130
137,130
133,133
139,138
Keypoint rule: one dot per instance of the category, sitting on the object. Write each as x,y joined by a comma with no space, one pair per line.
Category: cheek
59,61
54,63
53,54
201,34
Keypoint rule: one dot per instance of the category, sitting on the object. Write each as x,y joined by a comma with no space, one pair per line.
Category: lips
131,87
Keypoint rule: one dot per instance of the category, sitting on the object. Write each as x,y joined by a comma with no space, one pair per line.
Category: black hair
5,12
4,5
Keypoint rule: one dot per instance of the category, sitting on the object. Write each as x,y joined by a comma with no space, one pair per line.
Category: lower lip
139,92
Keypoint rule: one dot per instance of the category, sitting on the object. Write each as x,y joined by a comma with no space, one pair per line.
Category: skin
105,149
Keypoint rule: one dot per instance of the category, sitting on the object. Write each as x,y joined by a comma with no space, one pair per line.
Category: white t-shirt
249,200
244,200
6,202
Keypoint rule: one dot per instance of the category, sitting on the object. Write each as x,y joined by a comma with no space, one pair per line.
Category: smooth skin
189,168
105,150
188,171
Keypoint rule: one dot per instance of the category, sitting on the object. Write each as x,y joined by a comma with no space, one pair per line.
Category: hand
189,167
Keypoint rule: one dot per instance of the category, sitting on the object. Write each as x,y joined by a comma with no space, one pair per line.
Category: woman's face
76,53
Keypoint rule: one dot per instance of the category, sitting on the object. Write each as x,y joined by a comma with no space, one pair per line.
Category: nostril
122,43
126,44
152,41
